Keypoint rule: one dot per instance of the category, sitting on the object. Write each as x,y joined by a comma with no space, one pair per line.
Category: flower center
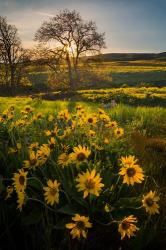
131,172
125,225
12,108
80,225
90,184
90,120
81,157
149,202
53,133
52,145
53,191
21,180
33,162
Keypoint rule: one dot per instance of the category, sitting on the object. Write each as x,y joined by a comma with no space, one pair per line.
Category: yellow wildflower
20,180
20,200
150,203
89,183
119,132
52,192
132,174
79,226
63,160
64,115
127,226
80,154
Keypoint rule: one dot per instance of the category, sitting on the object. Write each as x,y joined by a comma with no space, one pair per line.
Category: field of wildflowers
149,96
69,180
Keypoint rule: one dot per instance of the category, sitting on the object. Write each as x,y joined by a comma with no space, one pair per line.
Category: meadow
86,170
145,73
82,134
51,150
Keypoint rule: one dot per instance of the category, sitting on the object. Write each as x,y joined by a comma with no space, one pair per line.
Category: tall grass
148,120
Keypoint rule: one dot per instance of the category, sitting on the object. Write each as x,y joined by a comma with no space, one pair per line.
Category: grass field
39,139
151,119
111,74
52,141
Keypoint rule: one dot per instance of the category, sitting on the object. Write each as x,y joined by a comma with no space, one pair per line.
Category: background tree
43,58
73,38
12,55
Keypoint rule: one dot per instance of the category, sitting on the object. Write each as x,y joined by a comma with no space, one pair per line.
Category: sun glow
71,49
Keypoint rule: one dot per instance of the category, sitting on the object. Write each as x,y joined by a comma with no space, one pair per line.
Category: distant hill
128,56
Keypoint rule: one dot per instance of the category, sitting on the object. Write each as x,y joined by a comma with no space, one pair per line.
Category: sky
129,25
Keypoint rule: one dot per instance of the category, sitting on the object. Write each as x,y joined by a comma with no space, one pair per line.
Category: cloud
43,14
130,25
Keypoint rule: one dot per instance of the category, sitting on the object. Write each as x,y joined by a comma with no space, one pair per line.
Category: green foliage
38,217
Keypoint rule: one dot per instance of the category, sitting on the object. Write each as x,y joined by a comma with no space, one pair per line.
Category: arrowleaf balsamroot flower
20,200
79,226
105,118
33,160
63,160
131,172
64,115
119,132
111,124
91,119
79,107
20,180
128,160
89,183
51,118
101,111
127,226
52,142
150,203
44,152
33,146
53,132
80,154
16,149
52,192
91,133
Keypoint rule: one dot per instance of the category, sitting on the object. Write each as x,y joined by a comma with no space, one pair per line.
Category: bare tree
12,55
73,37
53,58
42,55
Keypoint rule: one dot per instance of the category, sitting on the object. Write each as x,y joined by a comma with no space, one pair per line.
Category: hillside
129,56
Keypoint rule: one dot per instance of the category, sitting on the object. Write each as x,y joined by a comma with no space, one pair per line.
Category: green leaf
68,209
129,202
32,218
33,182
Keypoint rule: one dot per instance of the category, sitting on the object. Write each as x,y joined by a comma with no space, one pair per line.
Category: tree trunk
77,77
71,80
12,82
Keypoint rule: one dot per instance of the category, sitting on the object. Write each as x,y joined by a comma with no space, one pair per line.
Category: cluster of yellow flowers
20,183
73,142
37,155
135,93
